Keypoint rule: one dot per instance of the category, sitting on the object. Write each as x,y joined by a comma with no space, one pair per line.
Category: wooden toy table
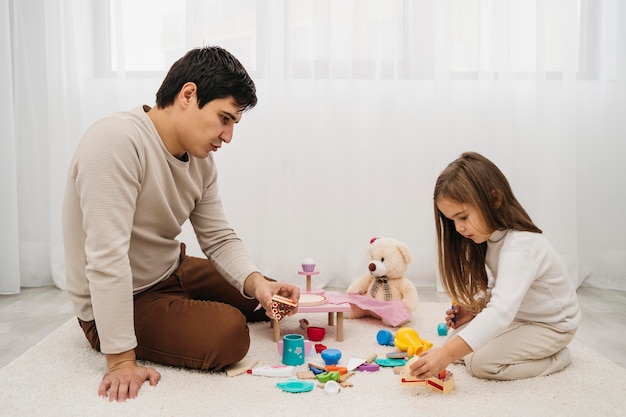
331,309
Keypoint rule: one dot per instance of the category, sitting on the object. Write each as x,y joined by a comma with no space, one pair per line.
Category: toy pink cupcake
308,265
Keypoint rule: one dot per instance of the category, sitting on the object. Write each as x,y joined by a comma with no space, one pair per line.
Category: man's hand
263,290
125,377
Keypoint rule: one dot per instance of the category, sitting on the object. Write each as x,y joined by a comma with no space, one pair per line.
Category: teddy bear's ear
405,251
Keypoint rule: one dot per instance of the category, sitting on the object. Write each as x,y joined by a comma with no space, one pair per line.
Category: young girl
515,306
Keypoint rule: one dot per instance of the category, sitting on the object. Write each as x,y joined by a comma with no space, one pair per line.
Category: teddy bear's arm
409,294
360,285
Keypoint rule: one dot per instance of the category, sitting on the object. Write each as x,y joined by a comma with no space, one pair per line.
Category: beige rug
60,376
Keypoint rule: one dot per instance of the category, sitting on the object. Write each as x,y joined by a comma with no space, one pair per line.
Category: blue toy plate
389,362
295,385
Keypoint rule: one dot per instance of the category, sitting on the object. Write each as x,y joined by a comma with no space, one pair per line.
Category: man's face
201,131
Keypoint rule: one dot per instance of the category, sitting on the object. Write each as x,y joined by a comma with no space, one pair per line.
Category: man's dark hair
216,73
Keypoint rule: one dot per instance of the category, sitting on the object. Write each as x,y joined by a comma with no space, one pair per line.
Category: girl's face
468,220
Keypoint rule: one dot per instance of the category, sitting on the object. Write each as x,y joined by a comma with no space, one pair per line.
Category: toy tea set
293,348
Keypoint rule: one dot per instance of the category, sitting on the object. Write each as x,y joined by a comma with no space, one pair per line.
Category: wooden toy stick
344,377
371,358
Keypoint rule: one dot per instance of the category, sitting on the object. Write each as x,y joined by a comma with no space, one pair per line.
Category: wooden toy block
408,379
305,375
242,366
442,383
436,383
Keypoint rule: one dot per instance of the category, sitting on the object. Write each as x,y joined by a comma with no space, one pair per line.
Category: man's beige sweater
125,202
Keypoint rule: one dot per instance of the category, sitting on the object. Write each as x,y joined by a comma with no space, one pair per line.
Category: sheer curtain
361,105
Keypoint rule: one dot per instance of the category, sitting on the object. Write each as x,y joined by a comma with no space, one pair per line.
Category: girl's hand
430,363
458,316
435,360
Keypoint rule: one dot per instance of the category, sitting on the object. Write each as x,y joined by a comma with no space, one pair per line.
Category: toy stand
334,311
308,282
335,317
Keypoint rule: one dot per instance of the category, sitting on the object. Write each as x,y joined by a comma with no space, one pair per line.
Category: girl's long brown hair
474,180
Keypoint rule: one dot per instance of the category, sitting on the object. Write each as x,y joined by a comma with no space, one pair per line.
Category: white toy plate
307,300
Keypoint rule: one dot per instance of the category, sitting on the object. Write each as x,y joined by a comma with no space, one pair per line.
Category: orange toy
334,368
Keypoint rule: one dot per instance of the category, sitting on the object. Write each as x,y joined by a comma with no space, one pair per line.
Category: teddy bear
385,281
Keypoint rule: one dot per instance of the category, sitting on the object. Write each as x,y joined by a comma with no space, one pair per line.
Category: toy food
281,306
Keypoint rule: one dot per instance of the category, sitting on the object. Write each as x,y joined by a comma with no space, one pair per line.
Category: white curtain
361,104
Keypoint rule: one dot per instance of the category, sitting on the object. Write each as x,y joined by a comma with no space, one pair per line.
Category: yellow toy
408,340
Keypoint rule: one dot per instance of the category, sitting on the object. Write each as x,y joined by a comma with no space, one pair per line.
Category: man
135,178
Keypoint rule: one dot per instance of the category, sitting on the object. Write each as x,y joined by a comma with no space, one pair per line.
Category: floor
28,317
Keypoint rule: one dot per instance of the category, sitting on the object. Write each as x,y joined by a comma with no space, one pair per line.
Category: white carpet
60,376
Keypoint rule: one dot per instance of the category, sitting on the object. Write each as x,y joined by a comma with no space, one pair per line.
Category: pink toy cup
315,334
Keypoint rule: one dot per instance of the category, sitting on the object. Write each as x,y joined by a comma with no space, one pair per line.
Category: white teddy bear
388,262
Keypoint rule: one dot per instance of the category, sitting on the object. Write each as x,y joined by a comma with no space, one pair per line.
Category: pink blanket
395,312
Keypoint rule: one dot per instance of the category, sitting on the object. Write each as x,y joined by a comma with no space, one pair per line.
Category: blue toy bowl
331,356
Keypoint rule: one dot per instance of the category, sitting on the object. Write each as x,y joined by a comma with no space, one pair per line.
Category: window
364,39
146,36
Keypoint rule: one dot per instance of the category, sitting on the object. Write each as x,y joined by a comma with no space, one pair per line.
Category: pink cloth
394,312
